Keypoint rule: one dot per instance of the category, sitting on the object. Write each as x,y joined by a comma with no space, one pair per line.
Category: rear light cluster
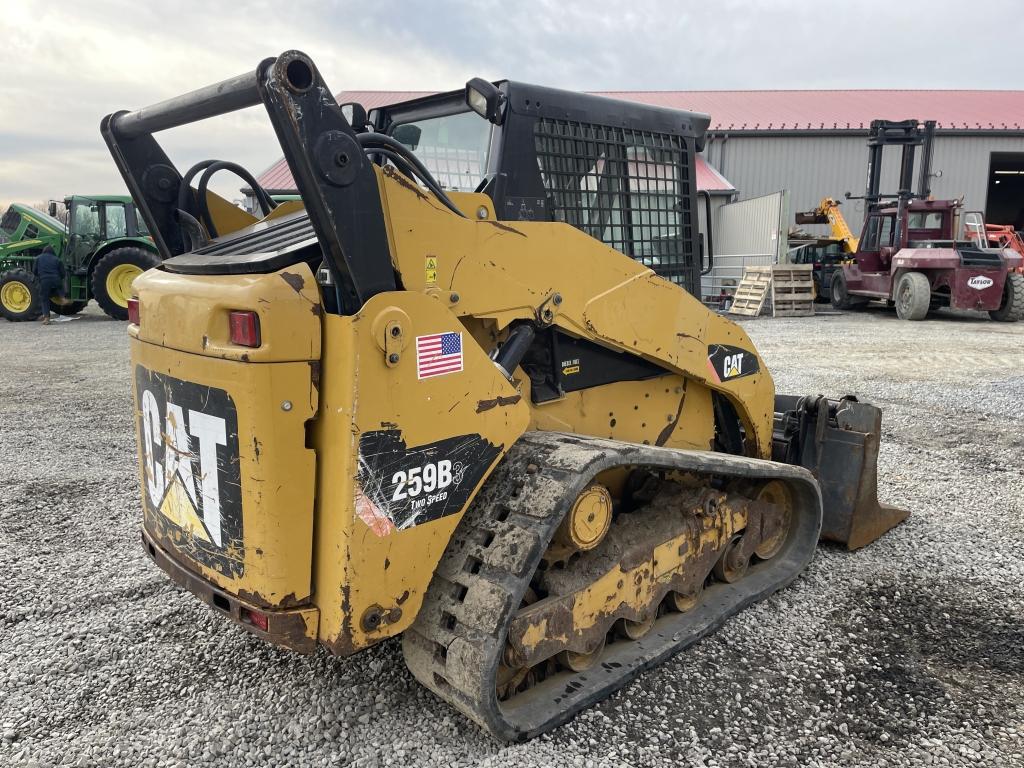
245,328
257,619
133,310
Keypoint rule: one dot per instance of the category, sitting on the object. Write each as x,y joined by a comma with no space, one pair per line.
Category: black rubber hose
406,169
265,203
186,182
192,229
381,142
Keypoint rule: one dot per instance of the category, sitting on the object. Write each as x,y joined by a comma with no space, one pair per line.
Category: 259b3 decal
188,439
402,487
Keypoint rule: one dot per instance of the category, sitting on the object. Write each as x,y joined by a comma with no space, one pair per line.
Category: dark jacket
48,267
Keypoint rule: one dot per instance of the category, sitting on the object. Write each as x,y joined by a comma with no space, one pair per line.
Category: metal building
813,143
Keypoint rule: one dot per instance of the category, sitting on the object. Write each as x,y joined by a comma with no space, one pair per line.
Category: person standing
50,272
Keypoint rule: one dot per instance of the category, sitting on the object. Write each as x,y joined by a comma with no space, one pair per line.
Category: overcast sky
63,66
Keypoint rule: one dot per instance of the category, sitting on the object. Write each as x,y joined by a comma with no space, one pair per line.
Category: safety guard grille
630,189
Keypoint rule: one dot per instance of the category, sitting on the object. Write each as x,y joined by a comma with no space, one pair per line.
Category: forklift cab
878,240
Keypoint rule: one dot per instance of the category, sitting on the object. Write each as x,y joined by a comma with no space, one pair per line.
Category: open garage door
1005,201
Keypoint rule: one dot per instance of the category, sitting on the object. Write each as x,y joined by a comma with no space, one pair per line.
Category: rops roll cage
328,162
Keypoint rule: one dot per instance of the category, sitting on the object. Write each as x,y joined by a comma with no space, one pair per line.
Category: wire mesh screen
454,168
630,189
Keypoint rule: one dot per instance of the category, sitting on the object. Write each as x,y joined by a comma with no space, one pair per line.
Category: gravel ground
910,652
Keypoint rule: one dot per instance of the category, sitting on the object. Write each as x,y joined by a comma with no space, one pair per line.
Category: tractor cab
95,220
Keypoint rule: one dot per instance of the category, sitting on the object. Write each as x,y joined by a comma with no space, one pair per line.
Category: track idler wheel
732,564
587,522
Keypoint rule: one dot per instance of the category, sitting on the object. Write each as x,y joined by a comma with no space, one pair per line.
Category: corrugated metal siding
746,233
812,167
752,227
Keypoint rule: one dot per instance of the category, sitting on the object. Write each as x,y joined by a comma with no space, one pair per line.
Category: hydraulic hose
389,147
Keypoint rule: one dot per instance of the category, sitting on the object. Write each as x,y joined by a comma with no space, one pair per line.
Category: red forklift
909,254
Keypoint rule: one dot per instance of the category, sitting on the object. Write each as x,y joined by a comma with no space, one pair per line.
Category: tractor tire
841,298
1013,300
20,295
913,296
113,275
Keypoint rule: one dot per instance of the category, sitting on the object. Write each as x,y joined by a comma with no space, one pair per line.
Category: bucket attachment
811,217
837,440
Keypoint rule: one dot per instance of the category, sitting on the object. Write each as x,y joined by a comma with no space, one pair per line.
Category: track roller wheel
775,492
634,630
581,662
685,602
732,565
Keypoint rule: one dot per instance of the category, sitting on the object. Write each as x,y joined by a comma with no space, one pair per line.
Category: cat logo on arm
727,363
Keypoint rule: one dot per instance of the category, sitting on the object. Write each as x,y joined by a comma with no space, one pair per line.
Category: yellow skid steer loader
461,391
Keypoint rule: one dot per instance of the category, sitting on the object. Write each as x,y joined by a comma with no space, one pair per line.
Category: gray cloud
70,65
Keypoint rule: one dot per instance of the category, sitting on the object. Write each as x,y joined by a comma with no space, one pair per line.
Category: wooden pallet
792,290
751,292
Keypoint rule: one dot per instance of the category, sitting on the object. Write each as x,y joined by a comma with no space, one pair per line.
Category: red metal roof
808,110
842,110
278,178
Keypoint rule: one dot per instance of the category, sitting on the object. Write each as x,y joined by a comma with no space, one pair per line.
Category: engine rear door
228,484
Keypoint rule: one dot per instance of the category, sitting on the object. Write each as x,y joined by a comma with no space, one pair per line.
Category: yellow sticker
431,270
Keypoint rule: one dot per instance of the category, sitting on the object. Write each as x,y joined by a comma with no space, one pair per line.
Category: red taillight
133,310
257,619
245,329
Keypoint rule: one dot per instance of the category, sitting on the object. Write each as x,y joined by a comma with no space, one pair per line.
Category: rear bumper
295,628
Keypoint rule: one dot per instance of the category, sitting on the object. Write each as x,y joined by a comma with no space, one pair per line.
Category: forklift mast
908,134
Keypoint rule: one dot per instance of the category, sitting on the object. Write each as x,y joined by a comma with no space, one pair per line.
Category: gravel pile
910,652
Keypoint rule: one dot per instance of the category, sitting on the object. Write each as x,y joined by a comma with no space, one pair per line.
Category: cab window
454,148
924,220
878,233
86,219
114,221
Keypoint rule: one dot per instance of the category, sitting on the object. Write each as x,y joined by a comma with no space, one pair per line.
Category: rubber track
455,645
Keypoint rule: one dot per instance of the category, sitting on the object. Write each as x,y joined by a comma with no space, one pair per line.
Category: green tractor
104,247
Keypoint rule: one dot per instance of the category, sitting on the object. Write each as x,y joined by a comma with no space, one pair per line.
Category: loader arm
828,212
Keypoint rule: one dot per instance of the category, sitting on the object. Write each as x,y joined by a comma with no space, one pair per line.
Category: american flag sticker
438,354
